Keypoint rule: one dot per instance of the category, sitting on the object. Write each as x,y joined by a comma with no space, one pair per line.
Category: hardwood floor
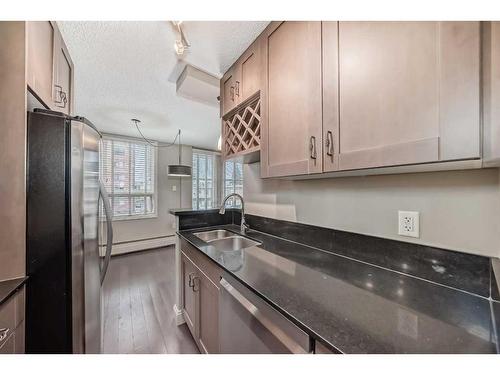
139,294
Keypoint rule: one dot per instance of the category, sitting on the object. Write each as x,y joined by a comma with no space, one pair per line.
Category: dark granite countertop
356,307
190,211
9,287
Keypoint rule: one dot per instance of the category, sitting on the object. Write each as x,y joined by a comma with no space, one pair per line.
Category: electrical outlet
409,223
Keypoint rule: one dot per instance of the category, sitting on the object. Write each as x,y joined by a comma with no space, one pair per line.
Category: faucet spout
222,209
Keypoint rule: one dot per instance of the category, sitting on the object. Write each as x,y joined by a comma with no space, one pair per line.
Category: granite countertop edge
187,235
235,228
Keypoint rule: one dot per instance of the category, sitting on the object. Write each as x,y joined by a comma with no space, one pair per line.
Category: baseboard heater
138,245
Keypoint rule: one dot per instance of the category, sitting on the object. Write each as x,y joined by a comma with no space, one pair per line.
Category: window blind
128,172
204,180
233,181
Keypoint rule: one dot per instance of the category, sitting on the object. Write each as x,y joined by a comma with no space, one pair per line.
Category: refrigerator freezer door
86,283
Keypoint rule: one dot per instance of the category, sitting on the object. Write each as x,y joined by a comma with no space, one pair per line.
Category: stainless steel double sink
224,240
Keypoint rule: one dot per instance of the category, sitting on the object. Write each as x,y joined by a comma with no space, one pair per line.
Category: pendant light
179,170
173,170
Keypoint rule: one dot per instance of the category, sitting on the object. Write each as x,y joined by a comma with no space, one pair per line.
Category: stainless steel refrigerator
65,270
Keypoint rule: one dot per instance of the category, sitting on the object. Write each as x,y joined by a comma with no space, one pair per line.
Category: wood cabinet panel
40,59
459,99
63,79
209,315
13,149
391,100
292,117
228,90
330,49
417,100
12,319
491,92
200,296
209,268
189,297
249,66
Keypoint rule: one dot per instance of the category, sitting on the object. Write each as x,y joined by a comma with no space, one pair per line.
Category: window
128,172
204,181
233,181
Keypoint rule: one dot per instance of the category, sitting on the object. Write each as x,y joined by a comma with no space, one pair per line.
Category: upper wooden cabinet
63,77
40,59
330,70
249,72
49,66
491,93
228,91
292,99
242,80
408,92
340,96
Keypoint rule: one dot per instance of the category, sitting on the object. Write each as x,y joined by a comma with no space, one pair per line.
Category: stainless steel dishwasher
247,324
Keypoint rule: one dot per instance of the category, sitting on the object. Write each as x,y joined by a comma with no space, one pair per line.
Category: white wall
140,229
459,210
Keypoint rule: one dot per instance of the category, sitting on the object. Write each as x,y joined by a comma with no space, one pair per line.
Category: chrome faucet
222,210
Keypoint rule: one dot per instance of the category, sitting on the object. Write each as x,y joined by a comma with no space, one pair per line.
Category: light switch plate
174,188
409,223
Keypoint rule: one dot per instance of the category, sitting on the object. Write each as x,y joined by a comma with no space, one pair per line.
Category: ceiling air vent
198,85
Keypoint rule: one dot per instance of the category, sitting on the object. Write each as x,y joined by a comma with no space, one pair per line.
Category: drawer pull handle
194,284
312,147
61,102
191,279
3,333
329,143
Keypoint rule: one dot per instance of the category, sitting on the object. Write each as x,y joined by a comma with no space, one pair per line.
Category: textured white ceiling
127,70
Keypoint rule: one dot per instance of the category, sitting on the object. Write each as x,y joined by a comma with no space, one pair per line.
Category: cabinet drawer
212,271
11,316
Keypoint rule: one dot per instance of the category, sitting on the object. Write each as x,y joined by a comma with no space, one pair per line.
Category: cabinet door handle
312,147
232,93
237,88
3,333
194,284
329,143
191,279
63,99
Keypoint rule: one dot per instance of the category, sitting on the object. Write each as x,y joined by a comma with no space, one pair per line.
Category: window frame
234,203
154,195
215,179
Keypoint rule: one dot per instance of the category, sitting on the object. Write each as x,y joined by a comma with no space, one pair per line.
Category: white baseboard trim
129,247
179,318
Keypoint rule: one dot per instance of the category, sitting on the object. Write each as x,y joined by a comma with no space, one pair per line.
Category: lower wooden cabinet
208,318
189,300
12,324
200,298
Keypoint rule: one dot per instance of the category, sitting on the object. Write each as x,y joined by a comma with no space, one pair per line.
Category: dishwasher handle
284,338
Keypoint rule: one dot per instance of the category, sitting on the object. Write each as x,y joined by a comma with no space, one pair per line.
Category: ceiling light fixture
173,170
181,45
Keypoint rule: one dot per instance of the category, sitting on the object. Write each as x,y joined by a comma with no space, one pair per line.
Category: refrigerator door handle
109,228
